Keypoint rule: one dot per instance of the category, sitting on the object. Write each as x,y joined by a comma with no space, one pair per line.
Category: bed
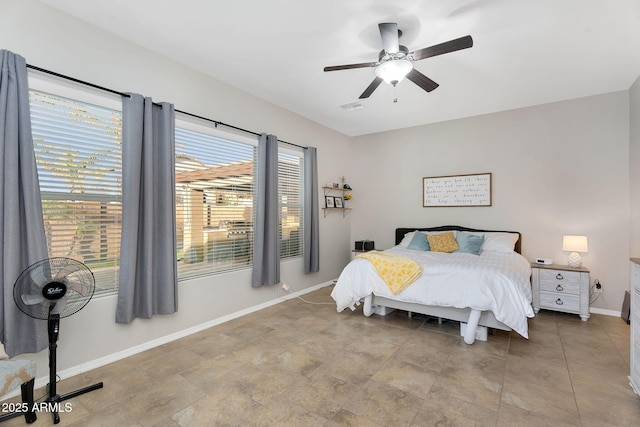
489,288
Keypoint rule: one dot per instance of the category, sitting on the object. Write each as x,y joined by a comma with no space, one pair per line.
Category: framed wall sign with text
457,190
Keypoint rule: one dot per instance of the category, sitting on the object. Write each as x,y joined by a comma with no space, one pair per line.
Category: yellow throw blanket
398,272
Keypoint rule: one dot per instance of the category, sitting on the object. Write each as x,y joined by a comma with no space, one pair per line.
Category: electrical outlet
598,286
286,287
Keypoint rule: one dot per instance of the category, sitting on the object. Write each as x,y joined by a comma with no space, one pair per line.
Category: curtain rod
116,92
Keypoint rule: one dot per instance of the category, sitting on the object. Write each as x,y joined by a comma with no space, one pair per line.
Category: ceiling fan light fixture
393,71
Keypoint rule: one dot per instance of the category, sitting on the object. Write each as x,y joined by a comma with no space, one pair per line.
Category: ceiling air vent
352,106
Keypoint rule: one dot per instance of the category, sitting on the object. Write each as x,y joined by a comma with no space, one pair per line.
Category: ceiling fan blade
421,80
350,66
389,35
439,49
373,86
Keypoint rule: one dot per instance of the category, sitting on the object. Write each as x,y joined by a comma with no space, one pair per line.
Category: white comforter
494,281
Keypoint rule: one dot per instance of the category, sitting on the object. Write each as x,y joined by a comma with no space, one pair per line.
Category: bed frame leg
472,324
367,310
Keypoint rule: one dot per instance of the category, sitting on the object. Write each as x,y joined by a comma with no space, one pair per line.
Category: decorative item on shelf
347,198
345,186
329,201
575,244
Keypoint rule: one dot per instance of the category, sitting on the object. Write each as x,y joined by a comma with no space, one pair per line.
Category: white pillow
498,241
501,242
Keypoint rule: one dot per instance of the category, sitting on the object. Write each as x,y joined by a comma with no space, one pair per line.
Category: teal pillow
419,242
469,243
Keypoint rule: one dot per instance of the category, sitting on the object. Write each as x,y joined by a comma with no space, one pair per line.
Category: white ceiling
525,52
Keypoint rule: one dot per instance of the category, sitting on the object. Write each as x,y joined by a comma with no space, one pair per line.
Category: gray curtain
266,238
311,212
22,237
148,269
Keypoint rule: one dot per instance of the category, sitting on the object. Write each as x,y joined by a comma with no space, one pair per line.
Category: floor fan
49,290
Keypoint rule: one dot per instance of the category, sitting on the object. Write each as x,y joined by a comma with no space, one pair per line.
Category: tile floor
300,364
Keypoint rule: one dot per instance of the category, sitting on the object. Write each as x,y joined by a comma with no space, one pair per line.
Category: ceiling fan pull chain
395,94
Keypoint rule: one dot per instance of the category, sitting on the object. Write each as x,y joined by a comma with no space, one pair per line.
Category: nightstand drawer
560,287
556,301
560,276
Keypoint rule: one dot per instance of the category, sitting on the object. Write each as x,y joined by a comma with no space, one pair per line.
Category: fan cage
77,277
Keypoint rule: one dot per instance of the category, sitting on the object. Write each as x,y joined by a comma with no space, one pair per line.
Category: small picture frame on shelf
338,202
329,202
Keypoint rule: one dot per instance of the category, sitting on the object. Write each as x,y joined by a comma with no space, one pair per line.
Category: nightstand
561,288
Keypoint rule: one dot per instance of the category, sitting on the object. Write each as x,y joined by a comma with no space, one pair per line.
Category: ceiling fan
395,62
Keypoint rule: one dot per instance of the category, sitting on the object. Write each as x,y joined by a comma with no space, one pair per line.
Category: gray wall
52,40
634,167
560,168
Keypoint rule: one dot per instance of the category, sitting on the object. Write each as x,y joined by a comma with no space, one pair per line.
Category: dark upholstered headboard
400,232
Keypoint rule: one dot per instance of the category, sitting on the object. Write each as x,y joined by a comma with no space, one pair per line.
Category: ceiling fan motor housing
402,53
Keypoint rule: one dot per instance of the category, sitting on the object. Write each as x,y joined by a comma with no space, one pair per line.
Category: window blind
215,174
79,158
290,175
214,201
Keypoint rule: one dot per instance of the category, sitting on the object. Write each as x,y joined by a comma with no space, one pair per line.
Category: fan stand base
53,403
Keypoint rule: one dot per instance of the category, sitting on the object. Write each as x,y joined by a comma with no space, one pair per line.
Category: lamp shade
393,71
575,243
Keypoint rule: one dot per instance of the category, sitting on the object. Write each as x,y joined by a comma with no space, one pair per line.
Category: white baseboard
605,312
114,357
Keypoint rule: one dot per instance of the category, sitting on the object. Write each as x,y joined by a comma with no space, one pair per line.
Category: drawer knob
559,301
559,276
559,288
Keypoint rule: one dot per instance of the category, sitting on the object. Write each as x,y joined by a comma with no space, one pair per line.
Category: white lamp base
574,260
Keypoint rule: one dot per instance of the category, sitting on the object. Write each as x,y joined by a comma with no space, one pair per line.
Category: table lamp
575,244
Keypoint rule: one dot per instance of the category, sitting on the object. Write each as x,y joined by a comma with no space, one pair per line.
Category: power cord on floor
315,303
287,289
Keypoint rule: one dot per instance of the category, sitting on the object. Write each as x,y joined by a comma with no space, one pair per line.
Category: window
214,200
78,146
78,152
215,173
290,176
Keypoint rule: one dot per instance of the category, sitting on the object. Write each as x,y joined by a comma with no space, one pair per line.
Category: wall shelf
333,192
345,211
